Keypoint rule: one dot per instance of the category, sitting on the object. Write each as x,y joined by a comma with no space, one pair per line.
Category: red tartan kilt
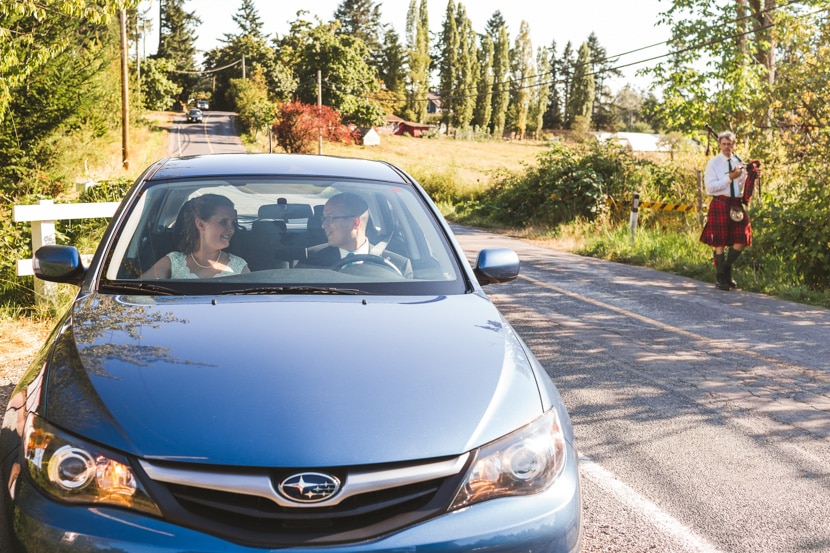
720,230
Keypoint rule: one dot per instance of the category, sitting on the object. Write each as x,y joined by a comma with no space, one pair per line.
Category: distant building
433,103
367,136
635,141
391,127
413,129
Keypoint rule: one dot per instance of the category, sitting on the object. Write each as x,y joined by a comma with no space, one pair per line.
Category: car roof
256,164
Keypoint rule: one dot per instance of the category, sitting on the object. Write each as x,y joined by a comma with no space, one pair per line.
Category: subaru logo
309,487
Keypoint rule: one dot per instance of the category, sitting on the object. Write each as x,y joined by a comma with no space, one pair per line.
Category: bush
797,230
299,127
585,181
86,233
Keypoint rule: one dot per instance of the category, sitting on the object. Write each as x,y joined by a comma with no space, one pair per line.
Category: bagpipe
753,169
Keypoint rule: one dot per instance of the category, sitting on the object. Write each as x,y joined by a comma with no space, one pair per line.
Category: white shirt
362,250
717,176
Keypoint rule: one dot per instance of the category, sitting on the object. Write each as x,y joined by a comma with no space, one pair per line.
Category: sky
621,26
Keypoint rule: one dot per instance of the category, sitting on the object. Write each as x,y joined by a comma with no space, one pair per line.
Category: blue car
274,352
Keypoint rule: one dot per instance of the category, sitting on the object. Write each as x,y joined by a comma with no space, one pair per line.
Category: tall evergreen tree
177,43
248,20
581,98
603,70
392,70
362,19
247,52
484,98
553,112
565,68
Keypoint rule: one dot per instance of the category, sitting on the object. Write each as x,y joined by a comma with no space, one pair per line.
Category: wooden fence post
43,233
632,221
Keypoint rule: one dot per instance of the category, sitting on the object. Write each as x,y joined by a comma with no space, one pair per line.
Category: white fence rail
43,216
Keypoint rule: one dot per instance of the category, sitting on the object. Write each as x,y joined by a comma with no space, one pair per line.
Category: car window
289,235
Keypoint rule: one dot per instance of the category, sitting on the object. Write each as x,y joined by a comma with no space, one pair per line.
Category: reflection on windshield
302,233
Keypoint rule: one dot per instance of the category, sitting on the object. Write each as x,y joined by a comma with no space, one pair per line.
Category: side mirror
59,264
496,265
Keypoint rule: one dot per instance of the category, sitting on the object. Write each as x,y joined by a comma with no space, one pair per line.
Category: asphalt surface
702,416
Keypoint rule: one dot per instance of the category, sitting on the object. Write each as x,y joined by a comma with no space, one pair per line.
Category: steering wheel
366,258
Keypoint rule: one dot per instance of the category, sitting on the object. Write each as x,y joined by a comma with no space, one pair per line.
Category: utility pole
319,111
125,100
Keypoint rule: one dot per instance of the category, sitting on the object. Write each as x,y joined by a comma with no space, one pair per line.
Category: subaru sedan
274,352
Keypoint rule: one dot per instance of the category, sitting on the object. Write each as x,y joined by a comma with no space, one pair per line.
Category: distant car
202,104
194,116
325,408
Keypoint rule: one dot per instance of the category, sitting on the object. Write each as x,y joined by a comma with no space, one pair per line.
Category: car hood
290,380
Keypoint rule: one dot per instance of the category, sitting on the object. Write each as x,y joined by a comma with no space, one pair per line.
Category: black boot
720,272
730,259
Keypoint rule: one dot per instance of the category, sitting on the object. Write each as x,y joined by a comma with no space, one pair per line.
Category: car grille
243,507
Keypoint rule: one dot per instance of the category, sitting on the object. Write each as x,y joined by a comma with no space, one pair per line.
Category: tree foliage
418,60
346,79
177,43
250,96
156,87
581,97
60,93
575,182
300,126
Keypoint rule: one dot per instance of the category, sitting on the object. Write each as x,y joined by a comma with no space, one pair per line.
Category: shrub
588,181
299,127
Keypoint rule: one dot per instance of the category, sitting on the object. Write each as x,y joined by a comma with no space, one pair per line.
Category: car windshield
280,236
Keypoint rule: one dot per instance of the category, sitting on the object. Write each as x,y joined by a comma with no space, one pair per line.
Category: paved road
216,134
702,416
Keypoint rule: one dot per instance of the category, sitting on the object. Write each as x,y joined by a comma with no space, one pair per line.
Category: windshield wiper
293,290
141,287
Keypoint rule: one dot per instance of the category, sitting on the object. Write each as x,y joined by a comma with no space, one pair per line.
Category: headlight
524,462
72,470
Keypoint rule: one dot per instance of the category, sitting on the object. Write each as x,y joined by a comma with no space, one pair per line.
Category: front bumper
546,522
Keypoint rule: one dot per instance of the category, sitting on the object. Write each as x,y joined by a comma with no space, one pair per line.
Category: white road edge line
626,495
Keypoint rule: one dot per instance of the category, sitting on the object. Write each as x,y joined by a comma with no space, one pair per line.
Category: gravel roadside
19,341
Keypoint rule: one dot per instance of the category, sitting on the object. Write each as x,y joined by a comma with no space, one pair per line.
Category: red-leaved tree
299,127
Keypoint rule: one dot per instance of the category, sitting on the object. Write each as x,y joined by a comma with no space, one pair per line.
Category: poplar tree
541,92
523,75
448,66
497,29
484,98
417,34
468,57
